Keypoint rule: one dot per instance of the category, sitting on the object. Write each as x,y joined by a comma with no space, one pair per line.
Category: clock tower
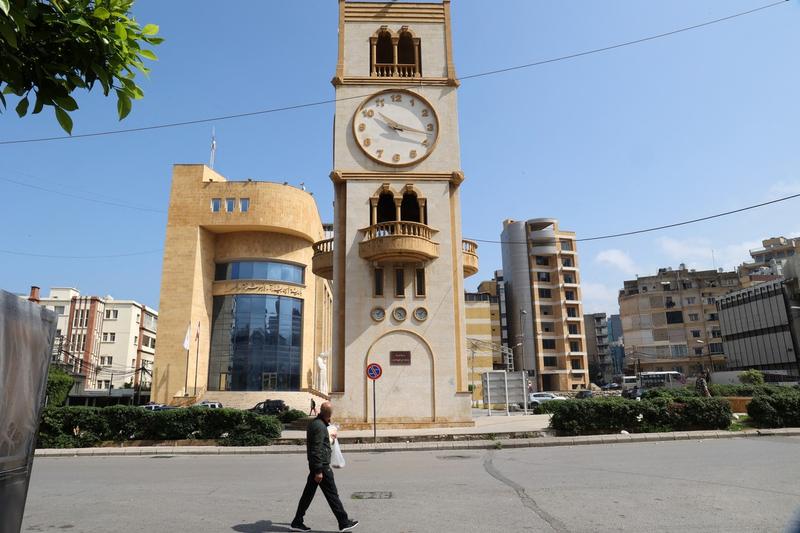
397,259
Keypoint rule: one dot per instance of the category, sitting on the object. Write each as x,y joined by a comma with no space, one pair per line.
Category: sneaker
349,526
299,527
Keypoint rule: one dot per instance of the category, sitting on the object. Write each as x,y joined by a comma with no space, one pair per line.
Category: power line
334,100
657,228
49,256
80,197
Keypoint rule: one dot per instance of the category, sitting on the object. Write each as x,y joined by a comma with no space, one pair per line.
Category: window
103,384
542,261
574,346
135,340
244,205
674,317
566,245
696,333
572,312
548,327
549,344
545,293
378,282
568,278
573,329
716,333
265,270
106,360
567,262
544,277
698,351
109,337
576,364
59,309
230,204
694,317
570,295
715,347
678,350
713,316
420,282
409,207
395,55
148,342
550,361
399,282
112,314
691,300
133,363
216,205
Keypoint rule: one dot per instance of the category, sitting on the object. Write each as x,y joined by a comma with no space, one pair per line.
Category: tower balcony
399,242
322,262
470,251
543,242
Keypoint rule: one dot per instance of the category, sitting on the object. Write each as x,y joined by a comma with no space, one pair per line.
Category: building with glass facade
237,273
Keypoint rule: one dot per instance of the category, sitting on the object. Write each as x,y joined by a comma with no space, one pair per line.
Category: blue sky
693,124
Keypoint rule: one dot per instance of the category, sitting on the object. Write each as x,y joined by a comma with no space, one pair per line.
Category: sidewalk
421,446
498,424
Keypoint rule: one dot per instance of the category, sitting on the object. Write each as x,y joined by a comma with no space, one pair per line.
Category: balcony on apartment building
542,236
398,242
469,249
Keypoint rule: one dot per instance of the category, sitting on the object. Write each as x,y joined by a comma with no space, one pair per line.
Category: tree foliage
59,384
751,377
50,48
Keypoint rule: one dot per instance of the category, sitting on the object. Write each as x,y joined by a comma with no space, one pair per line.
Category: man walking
318,450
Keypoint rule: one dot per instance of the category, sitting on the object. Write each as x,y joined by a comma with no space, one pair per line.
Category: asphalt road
748,484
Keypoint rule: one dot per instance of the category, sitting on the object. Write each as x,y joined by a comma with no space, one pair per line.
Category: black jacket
318,446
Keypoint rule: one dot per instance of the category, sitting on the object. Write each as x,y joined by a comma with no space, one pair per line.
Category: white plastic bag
337,459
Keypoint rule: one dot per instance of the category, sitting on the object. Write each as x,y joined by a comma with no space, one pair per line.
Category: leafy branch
50,48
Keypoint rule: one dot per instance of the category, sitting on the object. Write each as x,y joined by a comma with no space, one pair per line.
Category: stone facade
211,221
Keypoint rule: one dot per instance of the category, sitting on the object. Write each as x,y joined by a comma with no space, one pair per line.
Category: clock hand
400,127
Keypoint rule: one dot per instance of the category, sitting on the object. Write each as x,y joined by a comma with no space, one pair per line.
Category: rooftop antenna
213,147
303,185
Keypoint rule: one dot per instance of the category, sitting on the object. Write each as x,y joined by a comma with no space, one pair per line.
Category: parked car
584,394
154,406
209,404
610,386
633,394
536,398
270,407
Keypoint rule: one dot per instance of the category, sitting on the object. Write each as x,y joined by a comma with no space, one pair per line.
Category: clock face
396,127
378,314
399,314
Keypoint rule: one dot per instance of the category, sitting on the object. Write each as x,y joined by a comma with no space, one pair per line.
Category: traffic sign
374,371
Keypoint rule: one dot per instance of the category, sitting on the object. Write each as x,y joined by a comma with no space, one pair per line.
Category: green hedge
612,415
80,427
287,417
58,385
546,408
775,411
717,389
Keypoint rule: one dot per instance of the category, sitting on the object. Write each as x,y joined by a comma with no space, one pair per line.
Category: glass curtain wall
256,343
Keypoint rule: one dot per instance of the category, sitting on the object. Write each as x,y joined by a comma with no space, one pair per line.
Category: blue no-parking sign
374,371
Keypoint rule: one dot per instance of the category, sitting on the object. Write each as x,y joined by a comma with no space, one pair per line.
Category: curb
540,442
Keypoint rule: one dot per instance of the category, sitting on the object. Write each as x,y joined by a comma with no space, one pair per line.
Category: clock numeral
412,102
412,154
368,113
367,141
425,113
396,158
380,153
429,127
379,102
397,98
425,142
362,127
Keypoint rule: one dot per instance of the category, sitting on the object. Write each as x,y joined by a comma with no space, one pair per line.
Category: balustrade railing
470,247
322,247
397,228
391,70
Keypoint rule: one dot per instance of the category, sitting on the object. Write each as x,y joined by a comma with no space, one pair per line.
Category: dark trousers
328,486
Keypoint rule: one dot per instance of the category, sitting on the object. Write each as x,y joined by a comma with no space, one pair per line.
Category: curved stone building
237,273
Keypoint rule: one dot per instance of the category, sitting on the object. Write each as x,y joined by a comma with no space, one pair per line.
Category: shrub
59,384
779,410
77,427
287,417
611,415
548,407
751,377
749,390
670,394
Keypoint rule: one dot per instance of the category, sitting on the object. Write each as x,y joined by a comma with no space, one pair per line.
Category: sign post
374,372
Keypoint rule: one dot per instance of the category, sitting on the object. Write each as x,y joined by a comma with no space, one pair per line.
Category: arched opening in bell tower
384,51
409,207
386,211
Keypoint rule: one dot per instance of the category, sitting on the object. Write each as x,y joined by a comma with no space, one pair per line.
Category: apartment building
484,351
102,340
761,327
671,320
771,257
616,345
595,327
543,299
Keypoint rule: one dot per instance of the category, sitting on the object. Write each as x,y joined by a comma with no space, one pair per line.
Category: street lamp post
522,314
